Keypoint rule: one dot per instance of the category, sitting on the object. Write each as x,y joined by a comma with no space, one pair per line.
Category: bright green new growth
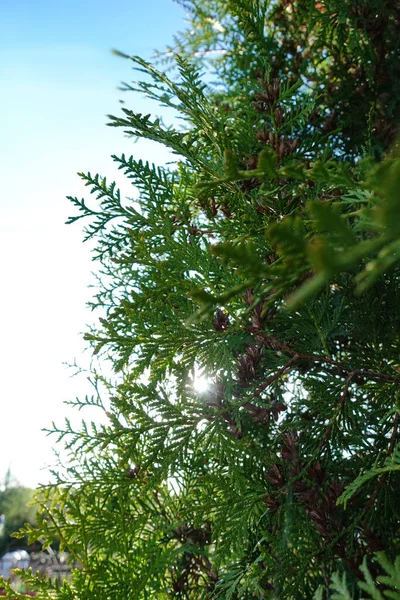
266,259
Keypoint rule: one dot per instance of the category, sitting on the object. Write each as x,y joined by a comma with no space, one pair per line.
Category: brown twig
344,395
275,344
273,378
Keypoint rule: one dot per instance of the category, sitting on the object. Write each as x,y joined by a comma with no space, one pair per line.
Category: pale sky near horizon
59,81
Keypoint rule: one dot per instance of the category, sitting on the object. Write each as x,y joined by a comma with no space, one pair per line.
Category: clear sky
58,80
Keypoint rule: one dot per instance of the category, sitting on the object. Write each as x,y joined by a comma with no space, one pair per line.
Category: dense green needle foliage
264,258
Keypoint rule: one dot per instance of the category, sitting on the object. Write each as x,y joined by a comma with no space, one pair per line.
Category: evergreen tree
264,259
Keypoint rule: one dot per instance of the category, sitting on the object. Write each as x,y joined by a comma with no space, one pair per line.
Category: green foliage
392,463
377,587
264,259
328,245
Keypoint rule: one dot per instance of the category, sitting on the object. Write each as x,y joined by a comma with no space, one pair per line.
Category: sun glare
201,383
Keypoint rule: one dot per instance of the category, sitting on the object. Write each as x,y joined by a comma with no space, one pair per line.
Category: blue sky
59,81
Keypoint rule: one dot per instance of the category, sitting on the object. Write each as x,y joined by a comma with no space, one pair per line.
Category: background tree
14,500
266,260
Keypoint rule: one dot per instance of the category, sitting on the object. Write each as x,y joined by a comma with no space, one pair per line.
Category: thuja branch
275,344
383,477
